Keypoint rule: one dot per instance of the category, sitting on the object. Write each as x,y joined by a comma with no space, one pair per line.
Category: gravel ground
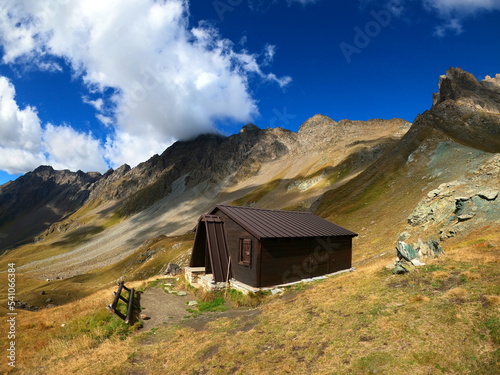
162,308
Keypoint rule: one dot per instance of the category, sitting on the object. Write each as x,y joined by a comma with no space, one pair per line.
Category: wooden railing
130,302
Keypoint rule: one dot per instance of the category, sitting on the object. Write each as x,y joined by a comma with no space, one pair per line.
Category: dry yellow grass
368,321
47,336
440,275
471,275
353,323
456,293
419,298
492,300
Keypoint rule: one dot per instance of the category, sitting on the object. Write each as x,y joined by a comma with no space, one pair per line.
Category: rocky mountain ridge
446,144
366,175
195,164
39,198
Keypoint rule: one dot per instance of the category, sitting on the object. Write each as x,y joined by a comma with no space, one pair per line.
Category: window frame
245,252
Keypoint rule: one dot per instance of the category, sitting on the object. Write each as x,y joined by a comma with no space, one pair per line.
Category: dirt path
162,308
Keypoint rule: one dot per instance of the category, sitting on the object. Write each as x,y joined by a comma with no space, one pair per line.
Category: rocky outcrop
322,129
458,207
467,110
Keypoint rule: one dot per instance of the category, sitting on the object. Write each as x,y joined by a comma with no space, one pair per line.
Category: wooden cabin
261,248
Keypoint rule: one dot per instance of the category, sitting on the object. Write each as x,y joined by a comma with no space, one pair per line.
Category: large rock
406,251
172,269
468,110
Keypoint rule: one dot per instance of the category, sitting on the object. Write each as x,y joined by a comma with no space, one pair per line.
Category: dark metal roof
264,223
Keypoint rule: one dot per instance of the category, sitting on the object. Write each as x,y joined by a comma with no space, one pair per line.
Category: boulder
405,251
435,247
417,263
403,236
400,268
172,269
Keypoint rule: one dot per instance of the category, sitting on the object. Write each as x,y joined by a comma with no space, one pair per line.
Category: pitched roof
264,223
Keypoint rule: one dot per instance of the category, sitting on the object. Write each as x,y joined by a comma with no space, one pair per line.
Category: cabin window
245,254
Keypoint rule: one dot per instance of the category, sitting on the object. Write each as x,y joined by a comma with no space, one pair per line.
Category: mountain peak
493,83
315,121
467,109
249,128
462,87
43,169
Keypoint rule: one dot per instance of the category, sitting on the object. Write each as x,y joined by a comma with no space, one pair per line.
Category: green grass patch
432,268
375,363
493,326
99,326
217,304
247,300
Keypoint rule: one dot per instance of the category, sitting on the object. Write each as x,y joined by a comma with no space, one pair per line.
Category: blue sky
91,85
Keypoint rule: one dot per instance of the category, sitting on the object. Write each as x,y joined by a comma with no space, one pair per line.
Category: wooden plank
117,296
130,306
243,273
217,247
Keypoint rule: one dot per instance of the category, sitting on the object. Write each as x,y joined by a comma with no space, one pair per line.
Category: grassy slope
444,318
377,203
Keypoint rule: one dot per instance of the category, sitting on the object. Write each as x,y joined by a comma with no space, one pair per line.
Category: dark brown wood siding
277,261
245,274
291,259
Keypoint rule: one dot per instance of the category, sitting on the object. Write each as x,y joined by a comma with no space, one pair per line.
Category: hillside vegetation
444,318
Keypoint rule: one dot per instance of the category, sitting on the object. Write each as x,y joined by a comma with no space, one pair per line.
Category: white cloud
25,144
465,7
269,53
450,12
18,128
105,120
124,146
453,25
98,103
454,11
68,149
170,80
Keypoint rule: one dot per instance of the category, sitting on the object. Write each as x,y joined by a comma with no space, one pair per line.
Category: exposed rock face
324,130
201,164
468,110
459,206
41,197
